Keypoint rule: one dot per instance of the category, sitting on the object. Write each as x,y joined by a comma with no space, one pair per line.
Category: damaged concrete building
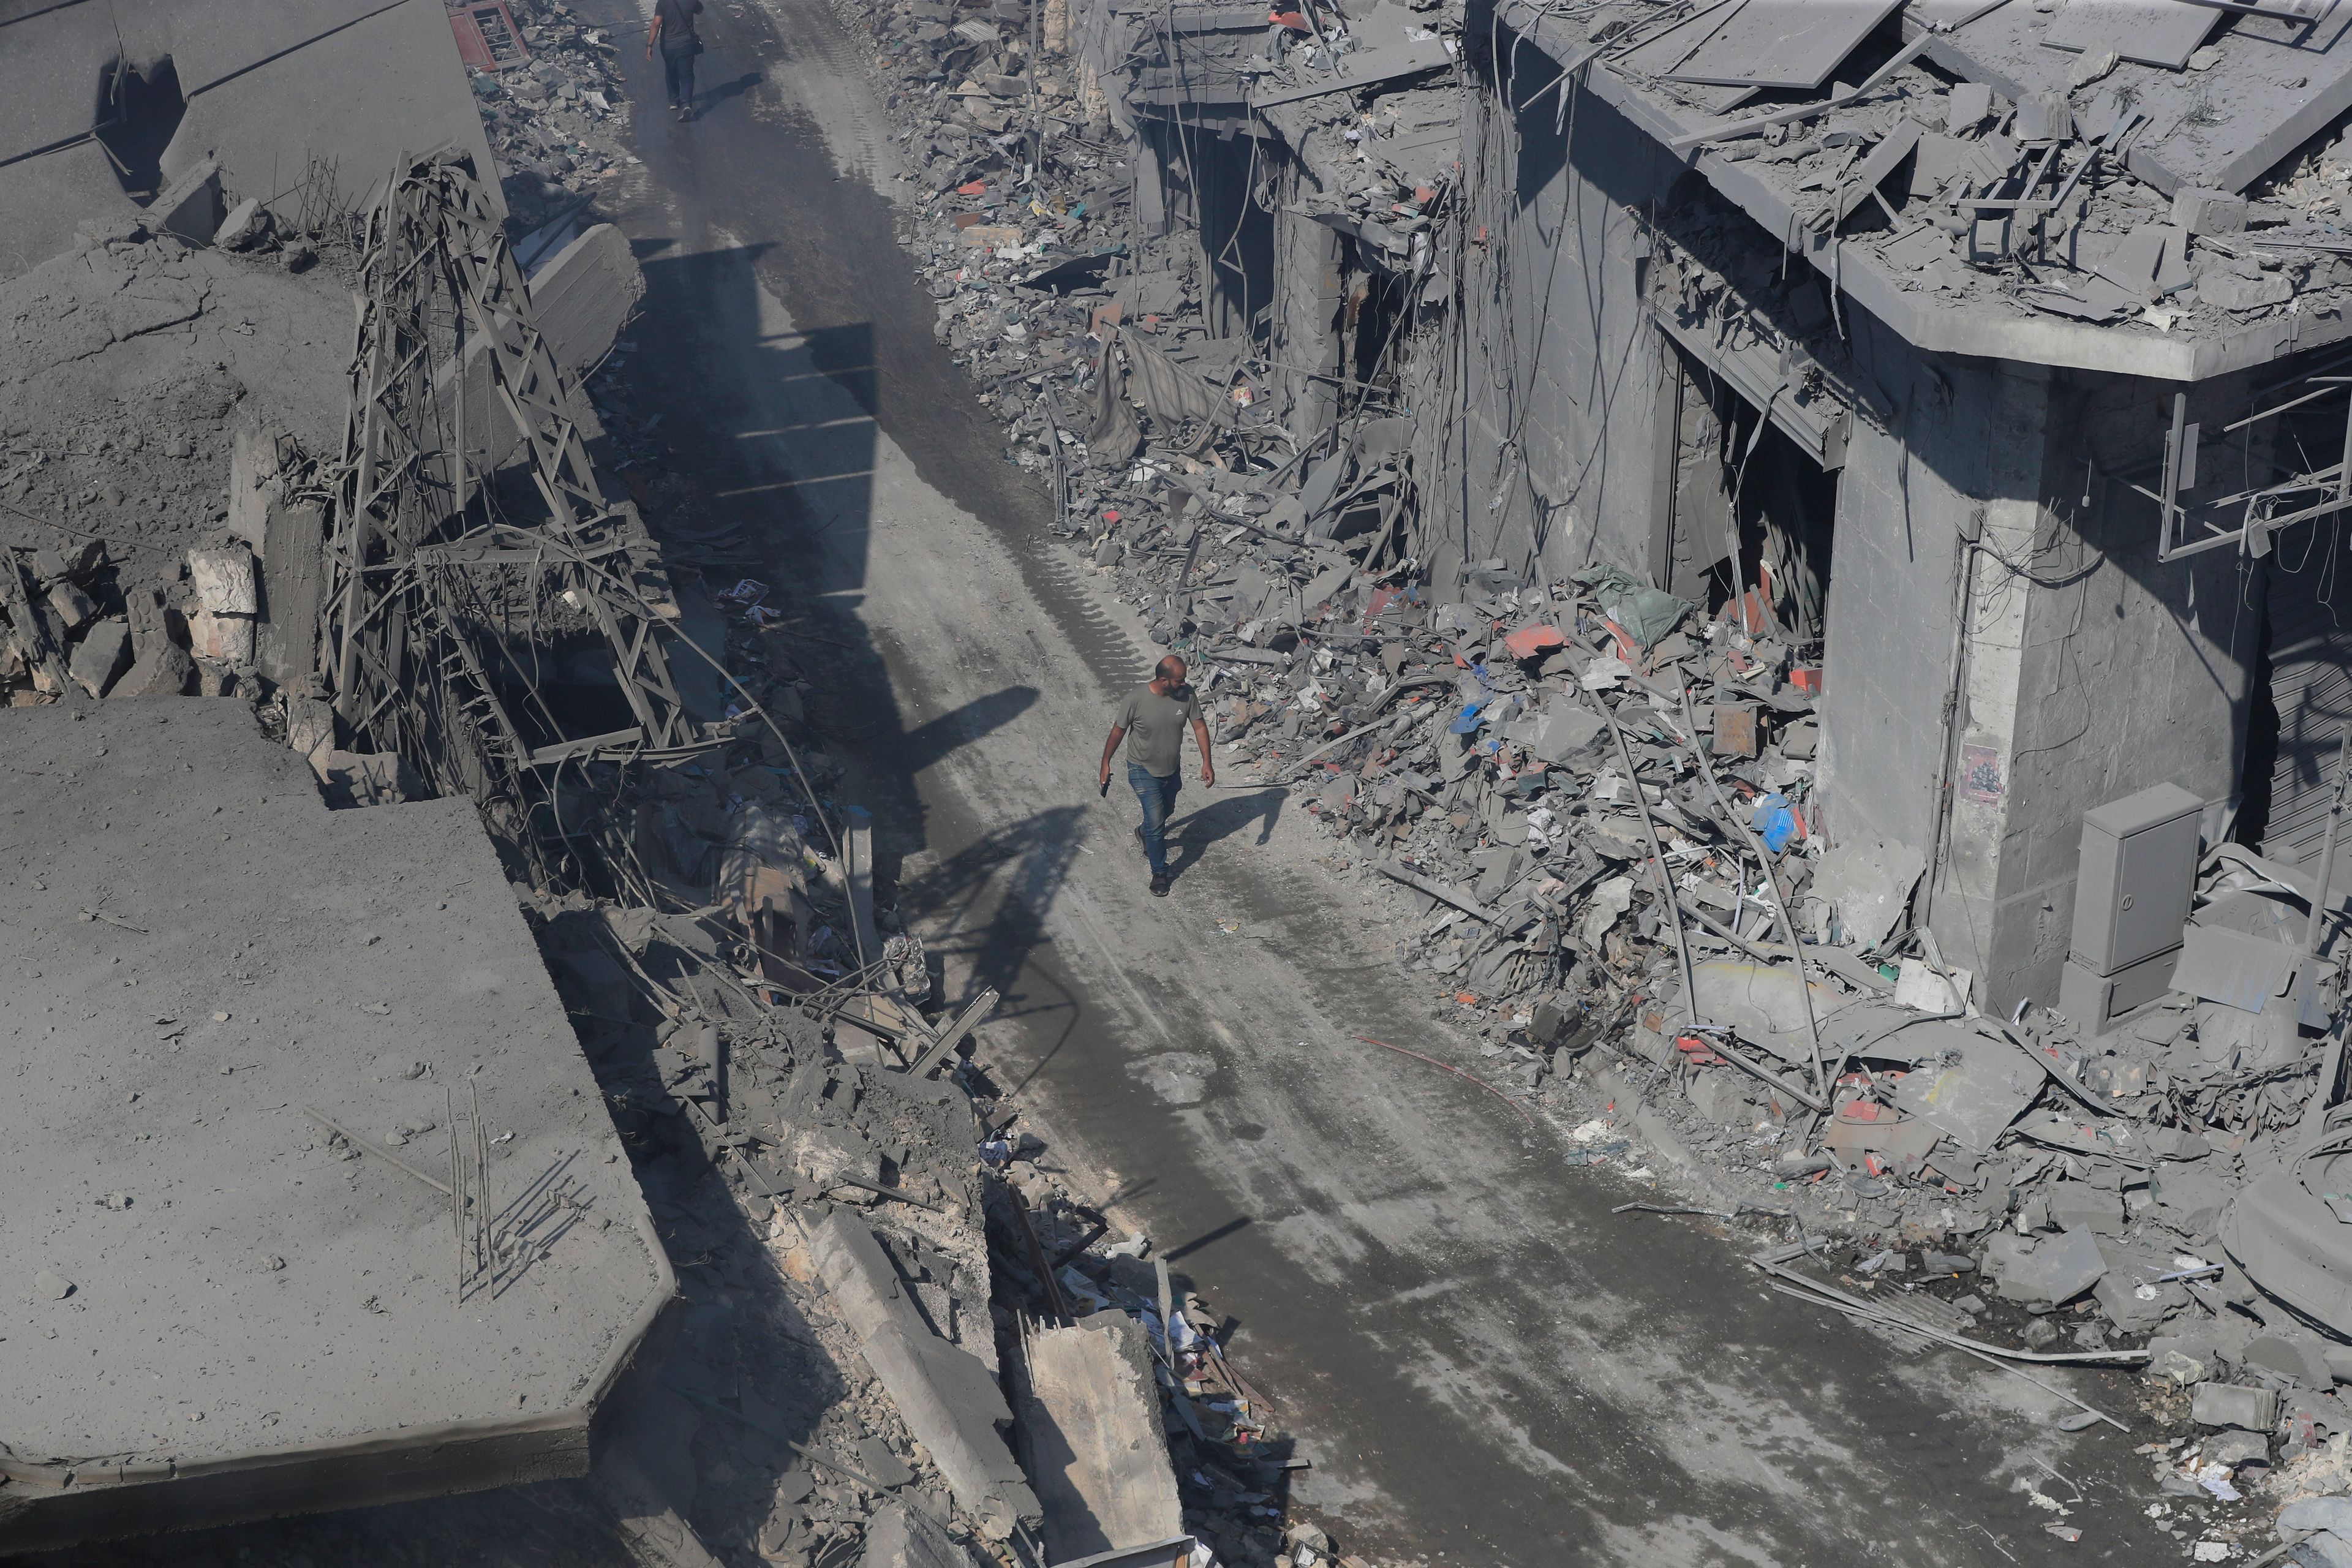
1975,349
1702,495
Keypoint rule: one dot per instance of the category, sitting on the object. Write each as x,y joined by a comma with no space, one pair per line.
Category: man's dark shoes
1159,887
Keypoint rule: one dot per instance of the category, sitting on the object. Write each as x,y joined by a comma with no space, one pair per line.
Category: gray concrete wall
1905,498
268,86
1565,368
1306,323
2095,672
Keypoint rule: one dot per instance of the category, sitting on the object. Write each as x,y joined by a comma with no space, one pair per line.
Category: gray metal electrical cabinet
2138,871
2132,891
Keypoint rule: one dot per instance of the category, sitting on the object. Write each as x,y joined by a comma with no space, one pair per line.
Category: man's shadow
1188,839
706,98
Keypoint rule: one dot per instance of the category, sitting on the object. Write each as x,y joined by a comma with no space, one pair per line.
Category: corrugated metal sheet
2311,683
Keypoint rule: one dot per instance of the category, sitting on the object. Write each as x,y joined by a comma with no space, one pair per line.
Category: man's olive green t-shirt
1155,727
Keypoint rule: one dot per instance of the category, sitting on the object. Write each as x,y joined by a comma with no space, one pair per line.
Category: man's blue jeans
678,71
1159,798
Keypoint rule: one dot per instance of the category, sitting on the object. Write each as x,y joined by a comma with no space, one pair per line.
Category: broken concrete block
2234,1405
1566,729
989,237
2044,117
294,584
224,639
1919,984
2079,1206
2137,1305
228,595
310,730
225,580
2208,212
2296,1360
948,1397
2232,292
2234,1449
1723,1098
252,485
101,656
243,226
2055,1270
1090,1430
2179,1361
73,607
190,207
163,670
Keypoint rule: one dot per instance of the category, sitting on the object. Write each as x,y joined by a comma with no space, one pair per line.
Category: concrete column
2086,670
1307,290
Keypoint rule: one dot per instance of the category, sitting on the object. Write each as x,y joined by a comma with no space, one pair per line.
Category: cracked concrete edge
43,1507
1937,327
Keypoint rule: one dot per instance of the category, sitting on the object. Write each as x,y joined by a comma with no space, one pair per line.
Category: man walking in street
672,32
1155,715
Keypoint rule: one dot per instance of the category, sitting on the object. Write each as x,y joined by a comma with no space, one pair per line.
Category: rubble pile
556,114
1164,443
2041,202
1062,1258
1599,798
747,1132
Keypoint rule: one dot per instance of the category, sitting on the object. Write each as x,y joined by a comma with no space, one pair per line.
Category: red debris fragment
1531,640
976,188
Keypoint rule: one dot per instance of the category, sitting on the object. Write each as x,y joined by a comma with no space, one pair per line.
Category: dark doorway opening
1748,515
138,112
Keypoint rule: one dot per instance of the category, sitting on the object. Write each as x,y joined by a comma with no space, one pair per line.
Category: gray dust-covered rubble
126,368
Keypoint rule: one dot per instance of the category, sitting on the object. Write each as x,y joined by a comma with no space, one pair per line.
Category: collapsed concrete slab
1092,1438
948,1397
227,1311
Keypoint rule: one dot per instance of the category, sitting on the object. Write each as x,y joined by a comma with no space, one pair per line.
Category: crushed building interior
1772,564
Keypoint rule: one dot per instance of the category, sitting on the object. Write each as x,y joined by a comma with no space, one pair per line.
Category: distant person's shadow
1220,819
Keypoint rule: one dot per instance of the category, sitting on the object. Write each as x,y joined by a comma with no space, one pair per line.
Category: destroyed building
1791,546
1705,496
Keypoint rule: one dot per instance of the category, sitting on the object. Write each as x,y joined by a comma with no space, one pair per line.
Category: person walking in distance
1155,715
672,32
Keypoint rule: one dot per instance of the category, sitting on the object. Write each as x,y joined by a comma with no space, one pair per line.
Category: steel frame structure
400,653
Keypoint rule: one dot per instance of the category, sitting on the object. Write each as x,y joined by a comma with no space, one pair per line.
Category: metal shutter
2311,682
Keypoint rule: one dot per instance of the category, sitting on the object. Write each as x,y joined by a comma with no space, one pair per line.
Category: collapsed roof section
109,101
2137,186
1364,97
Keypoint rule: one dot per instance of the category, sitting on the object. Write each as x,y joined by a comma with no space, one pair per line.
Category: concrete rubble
1776,708
1600,767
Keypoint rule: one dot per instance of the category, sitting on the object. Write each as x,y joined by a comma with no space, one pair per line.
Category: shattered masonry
1795,545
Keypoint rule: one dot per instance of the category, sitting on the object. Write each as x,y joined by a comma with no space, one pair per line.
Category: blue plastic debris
1775,822
1472,716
